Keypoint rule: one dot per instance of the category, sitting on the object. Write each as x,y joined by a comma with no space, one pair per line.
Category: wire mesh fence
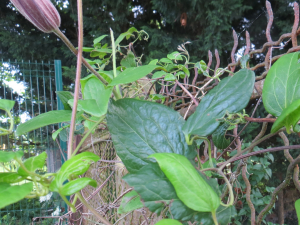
32,86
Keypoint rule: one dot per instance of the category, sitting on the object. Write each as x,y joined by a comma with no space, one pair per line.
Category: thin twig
248,192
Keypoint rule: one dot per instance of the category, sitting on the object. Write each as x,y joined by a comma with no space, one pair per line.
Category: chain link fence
32,86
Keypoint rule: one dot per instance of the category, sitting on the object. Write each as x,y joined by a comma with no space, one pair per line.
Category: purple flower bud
41,13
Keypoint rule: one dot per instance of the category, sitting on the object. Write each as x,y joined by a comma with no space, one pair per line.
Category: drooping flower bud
41,13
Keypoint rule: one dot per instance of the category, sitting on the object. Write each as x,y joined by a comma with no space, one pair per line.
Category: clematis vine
41,13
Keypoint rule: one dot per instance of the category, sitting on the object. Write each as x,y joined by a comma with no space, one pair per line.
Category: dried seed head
41,13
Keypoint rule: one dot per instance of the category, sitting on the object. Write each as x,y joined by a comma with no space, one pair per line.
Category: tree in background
206,24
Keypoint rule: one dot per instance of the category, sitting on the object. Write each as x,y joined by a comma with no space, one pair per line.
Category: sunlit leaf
11,194
77,165
33,163
132,74
74,186
281,86
52,117
190,187
288,118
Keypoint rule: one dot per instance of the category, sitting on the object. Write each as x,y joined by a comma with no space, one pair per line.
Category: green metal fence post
60,106
59,87
58,82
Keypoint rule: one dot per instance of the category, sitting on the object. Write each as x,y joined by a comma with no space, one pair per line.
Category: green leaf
87,49
10,177
8,156
224,215
180,211
281,86
129,60
6,105
77,165
126,34
89,106
218,136
130,202
33,163
153,62
56,133
207,165
169,77
190,187
288,118
184,69
101,50
98,39
141,128
89,124
156,97
65,96
201,66
158,74
175,55
231,95
132,74
165,60
153,186
93,88
11,194
74,186
52,117
244,60
181,74
168,222
297,206
108,75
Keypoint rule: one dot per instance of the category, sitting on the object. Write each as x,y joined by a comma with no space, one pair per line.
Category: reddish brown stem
295,26
260,120
248,192
78,76
235,45
187,92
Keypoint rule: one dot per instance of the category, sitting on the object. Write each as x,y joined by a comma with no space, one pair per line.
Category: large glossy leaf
141,128
168,222
231,95
224,215
11,194
77,165
65,96
282,83
8,156
153,186
6,105
132,74
52,117
33,163
180,211
11,177
218,136
130,202
190,187
76,185
288,118
93,88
